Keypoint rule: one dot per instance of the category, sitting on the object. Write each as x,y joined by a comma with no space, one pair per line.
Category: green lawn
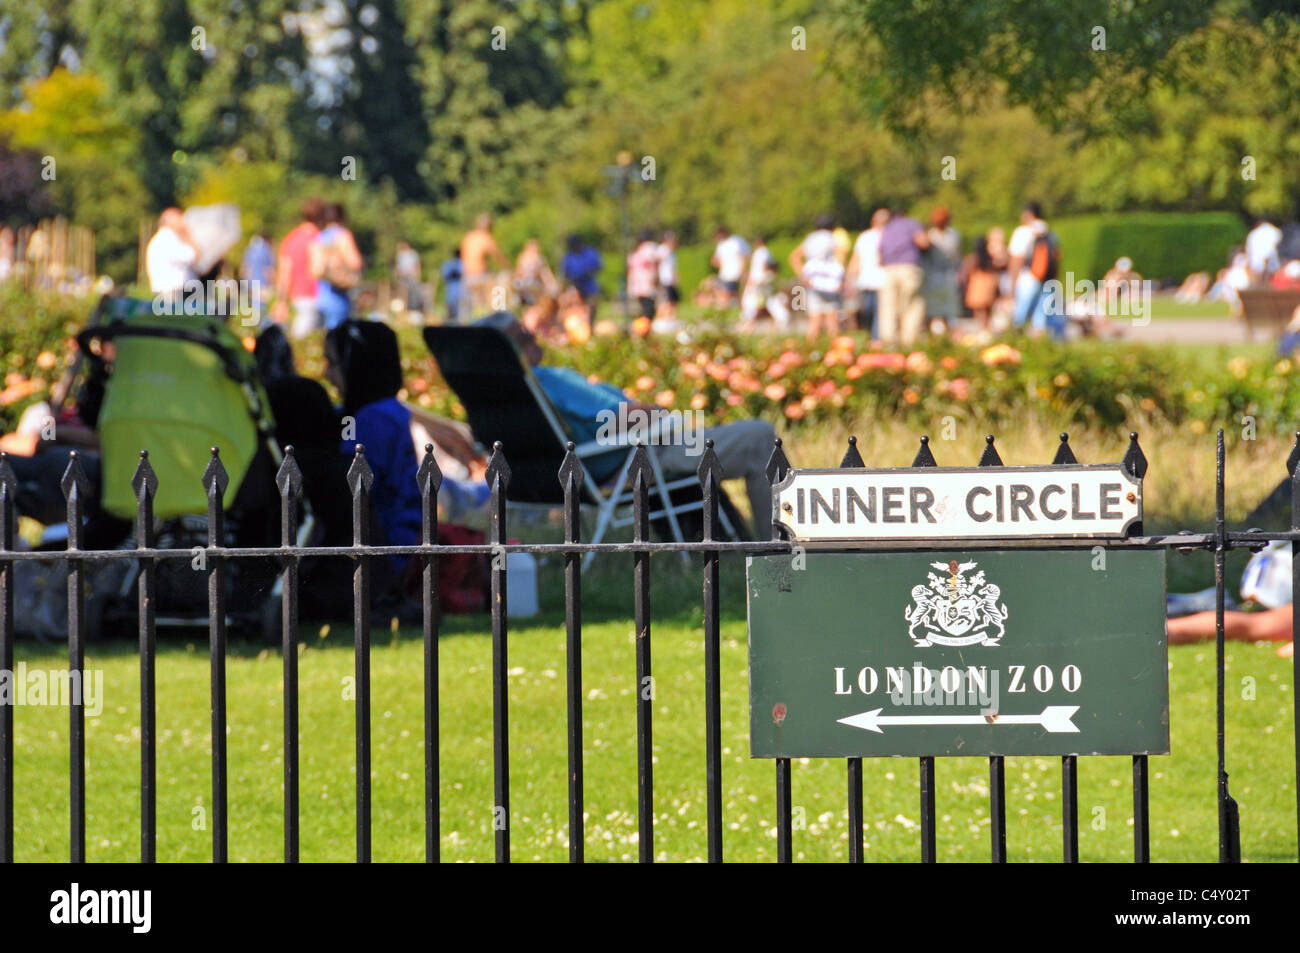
1183,812
1164,306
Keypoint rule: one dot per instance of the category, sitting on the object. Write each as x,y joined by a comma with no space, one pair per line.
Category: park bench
1268,309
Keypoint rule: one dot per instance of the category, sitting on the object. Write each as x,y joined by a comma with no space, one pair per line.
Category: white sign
858,505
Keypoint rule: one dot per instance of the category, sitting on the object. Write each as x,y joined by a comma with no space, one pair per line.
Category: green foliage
1162,245
68,117
1070,60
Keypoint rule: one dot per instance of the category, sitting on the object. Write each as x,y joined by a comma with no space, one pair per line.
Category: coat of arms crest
955,610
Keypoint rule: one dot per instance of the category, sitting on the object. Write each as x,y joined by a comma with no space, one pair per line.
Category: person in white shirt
815,263
866,271
1025,287
1261,249
730,256
171,254
758,285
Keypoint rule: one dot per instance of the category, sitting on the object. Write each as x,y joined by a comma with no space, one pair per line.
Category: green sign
958,652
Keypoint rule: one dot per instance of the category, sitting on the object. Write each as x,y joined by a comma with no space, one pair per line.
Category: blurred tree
92,155
186,75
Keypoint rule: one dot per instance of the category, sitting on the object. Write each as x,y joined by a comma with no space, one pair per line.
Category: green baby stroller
178,385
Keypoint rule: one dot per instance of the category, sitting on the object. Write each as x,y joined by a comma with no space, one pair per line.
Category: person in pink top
643,274
294,281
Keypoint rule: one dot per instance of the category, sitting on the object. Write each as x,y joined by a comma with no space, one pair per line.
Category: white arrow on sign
1055,718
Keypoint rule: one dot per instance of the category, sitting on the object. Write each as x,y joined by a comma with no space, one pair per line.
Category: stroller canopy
178,386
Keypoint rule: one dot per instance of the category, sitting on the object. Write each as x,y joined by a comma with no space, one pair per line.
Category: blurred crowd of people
898,279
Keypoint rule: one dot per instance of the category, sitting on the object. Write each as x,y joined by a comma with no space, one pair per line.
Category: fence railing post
1293,471
1135,462
1069,763
75,488
145,484
641,476
853,459
997,764
289,482
429,478
924,458
710,475
8,488
571,477
215,481
498,480
360,479
1229,820
777,468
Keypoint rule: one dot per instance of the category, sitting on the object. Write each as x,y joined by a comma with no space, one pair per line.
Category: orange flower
774,392
644,382
794,411
948,362
884,359
911,397
734,400
665,398
959,388
853,373
699,402
1000,354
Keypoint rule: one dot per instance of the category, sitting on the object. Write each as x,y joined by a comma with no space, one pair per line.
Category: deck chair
505,402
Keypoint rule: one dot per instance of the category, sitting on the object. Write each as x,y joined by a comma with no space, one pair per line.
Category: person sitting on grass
364,364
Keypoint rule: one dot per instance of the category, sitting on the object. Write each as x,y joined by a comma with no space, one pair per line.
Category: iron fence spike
710,467
497,467
924,458
360,476
215,475
990,457
74,478
144,481
429,476
1135,461
571,472
1064,455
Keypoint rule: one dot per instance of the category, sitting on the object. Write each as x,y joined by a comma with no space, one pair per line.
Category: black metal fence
289,481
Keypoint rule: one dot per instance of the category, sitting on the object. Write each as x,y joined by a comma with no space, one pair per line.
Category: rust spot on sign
778,712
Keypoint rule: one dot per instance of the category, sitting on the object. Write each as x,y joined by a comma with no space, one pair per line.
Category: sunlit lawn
1183,810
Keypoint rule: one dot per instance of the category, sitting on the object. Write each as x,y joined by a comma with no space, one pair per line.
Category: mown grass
1183,811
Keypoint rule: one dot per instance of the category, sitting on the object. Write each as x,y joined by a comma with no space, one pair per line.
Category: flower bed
1091,383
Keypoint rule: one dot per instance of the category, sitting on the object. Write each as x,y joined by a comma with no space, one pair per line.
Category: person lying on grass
1266,583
